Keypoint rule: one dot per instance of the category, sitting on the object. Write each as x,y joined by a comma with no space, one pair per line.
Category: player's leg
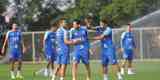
56,71
123,65
19,75
116,68
64,62
19,67
88,71
75,62
74,70
85,60
124,62
130,59
105,72
104,61
52,68
130,69
63,71
47,69
13,58
49,60
12,68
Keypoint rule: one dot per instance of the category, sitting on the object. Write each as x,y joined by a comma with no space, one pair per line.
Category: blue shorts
82,55
15,55
128,54
62,57
108,56
50,55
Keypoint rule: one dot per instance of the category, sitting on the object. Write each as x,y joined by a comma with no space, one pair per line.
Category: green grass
144,70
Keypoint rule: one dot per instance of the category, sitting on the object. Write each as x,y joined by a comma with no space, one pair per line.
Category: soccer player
108,51
128,47
49,43
16,48
80,50
63,42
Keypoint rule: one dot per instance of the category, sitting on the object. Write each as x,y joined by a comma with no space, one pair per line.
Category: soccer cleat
122,71
19,77
12,75
130,72
50,73
88,79
53,77
105,77
119,76
46,73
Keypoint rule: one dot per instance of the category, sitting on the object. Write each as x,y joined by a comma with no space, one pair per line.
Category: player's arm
23,46
67,38
44,39
105,33
122,40
5,42
135,47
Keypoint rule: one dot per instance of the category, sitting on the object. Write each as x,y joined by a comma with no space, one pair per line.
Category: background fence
147,41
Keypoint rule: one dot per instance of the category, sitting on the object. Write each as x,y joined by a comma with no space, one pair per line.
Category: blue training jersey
107,32
50,40
14,40
127,40
87,43
81,34
61,34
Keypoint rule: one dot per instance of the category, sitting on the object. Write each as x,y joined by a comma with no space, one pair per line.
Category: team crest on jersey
83,32
75,33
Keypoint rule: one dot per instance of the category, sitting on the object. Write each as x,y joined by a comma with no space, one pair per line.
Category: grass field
145,71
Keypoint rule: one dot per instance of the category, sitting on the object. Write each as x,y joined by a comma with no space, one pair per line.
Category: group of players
57,42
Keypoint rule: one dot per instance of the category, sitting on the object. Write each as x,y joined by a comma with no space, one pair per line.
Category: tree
122,11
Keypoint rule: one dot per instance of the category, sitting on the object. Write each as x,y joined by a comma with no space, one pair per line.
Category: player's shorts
108,56
128,54
15,55
50,55
81,55
63,57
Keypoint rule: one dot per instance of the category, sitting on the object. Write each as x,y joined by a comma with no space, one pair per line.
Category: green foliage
118,11
122,11
3,3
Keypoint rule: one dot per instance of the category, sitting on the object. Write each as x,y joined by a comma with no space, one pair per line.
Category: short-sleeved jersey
14,40
50,40
81,34
127,40
61,34
87,43
106,42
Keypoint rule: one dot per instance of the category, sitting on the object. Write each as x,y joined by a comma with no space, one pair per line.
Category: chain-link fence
147,42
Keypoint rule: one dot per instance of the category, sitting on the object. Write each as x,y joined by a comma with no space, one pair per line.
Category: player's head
103,22
14,26
129,28
88,21
63,22
76,24
54,27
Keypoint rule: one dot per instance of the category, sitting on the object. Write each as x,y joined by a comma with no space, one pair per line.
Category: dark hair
60,21
104,21
55,24
77,21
